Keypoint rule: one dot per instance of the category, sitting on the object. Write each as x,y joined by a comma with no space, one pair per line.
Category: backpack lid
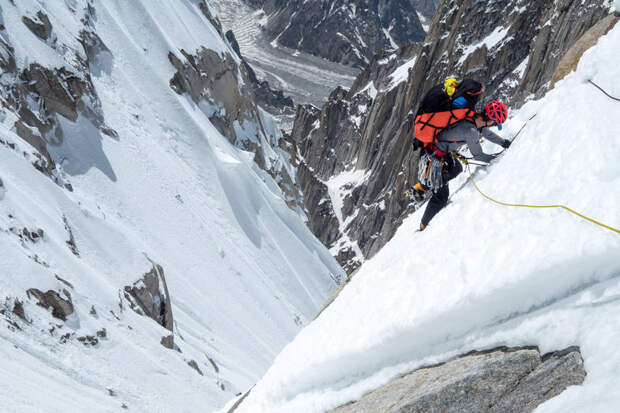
471,90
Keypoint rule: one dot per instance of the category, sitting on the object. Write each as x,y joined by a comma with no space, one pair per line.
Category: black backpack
469,89
435,100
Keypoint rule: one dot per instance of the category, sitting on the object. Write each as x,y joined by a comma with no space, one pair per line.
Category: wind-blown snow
243,271
484,275
490,41
401,73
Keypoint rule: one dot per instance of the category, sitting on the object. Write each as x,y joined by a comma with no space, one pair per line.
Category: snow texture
243,271
401,73
484,275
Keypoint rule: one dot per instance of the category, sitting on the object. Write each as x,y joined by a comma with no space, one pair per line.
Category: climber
438,166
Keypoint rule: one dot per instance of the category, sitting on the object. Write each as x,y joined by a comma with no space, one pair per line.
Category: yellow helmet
450,86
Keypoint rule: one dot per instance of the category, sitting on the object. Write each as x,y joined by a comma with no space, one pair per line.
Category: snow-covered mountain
349,32
355,151
485,275
153,255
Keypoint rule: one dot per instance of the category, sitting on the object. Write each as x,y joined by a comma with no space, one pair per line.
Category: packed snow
243,271
483,275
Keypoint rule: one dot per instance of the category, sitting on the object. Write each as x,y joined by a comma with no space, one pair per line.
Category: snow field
243,271
484,275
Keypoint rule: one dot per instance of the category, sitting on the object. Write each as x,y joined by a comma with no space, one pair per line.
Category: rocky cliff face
349,32
359,144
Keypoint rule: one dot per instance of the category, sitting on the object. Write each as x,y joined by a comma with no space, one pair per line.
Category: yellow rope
530,206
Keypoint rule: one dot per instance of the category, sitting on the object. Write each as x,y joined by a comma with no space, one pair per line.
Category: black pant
451,170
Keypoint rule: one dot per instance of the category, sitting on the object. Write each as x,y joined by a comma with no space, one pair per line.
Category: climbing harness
471,177
430,171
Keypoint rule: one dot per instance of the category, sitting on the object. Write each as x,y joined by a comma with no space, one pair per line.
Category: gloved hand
506,144
459,102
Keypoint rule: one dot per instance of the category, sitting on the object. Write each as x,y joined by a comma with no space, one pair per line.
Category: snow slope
484,275
243,271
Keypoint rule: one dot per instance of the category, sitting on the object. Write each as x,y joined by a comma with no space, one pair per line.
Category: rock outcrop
497,381
149,296
61,307
363,136
41,97
344,31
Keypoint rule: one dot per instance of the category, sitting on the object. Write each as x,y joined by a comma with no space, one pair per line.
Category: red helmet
497,111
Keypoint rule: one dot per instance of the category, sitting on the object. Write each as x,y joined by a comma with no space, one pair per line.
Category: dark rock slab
40,26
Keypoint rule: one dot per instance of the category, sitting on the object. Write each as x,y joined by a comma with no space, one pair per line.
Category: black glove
506,144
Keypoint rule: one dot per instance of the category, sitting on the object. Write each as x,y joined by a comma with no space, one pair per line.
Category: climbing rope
471,177
603,90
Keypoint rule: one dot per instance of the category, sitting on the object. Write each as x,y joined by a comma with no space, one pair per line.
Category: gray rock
558,371
40,26
227,95
168,341
18,309
149,296
38,95
194,365
61,307
71,242
571,59
500,380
